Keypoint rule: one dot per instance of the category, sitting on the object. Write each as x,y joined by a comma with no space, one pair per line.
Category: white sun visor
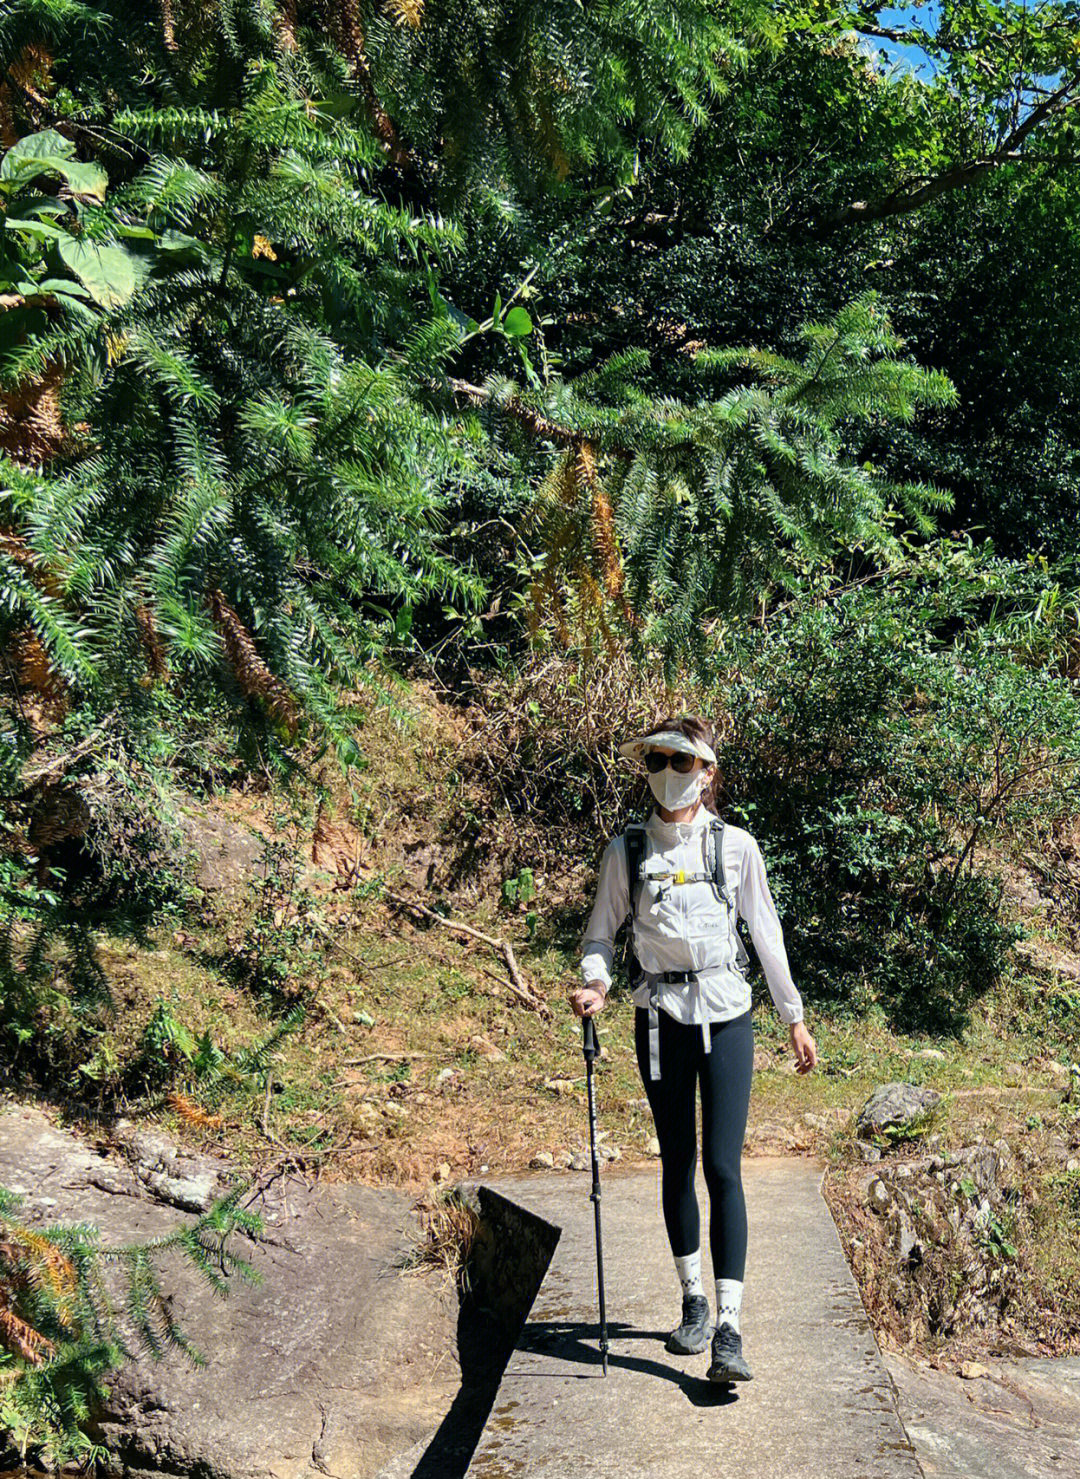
670,739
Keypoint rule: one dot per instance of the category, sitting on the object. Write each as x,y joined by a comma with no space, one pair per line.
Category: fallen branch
521,989
380,1058
264,1121
270,1173
338,1023
48,769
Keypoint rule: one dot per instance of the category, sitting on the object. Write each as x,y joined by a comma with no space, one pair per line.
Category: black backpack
635,857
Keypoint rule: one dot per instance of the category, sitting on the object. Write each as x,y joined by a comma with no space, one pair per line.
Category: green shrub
873,742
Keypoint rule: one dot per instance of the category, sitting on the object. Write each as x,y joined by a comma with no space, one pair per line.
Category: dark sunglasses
680,761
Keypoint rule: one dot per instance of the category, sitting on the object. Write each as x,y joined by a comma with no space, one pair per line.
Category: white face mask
673,790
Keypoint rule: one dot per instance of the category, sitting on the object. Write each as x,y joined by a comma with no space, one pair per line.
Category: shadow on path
564,1340
484,1349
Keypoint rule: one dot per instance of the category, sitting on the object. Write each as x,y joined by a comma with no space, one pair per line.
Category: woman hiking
692,1008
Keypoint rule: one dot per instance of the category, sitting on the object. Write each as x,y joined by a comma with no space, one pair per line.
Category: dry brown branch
150,640
31,428
61,812
168,25
343,20
50,769
15,547
23,1249
525,993
29,74
193,1113
338,1023
264,1118
29,660
380,1058
536,422
406,12
603,520
333,847
20,1338
251,672
285,25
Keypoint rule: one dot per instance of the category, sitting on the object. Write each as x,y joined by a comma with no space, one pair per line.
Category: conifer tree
255,482
258,450
62,1329
665,518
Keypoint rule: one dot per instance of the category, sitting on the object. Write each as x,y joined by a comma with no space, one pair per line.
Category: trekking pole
592,1052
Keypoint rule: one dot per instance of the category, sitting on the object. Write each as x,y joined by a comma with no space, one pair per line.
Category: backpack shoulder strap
636,850
742,958
716,827
634,837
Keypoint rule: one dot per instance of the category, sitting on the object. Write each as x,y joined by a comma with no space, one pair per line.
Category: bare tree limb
912,198
521,989
381,1058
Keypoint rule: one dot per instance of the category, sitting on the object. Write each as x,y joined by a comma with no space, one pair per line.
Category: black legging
725,1072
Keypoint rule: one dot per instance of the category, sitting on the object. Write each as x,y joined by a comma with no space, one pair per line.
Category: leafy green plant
281,946
519,890
916,1128
54,995
167,1038
994,1235
1065,1188
51,254
211,1075
872,739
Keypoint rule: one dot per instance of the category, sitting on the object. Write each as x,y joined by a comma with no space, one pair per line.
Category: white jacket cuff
596,964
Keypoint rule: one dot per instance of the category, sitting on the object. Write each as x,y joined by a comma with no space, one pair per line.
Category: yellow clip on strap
680,877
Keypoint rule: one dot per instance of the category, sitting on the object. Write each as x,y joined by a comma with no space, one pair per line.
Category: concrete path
821,1405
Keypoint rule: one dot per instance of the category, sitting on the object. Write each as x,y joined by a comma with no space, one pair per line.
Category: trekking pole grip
588,1036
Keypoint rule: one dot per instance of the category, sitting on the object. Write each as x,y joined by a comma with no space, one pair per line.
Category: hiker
693,1008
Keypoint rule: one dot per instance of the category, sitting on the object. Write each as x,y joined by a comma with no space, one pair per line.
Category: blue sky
912,57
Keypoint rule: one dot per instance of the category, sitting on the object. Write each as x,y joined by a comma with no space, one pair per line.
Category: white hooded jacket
687,927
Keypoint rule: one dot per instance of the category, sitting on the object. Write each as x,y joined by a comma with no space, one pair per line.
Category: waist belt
670,978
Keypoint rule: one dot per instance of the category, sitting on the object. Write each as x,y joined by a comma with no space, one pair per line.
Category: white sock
689,1272
728,1303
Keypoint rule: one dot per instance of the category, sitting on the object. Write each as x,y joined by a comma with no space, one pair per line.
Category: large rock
904,1238
894,1104
982,1165
172,1173
1020,1421
225,856
334,1364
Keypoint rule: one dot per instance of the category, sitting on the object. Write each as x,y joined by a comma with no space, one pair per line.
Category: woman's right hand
588,1000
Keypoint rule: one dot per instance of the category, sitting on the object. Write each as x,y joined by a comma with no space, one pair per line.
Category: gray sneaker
728,1363
692,1336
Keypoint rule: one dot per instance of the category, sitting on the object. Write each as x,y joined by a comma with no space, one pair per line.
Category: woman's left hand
803,1046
